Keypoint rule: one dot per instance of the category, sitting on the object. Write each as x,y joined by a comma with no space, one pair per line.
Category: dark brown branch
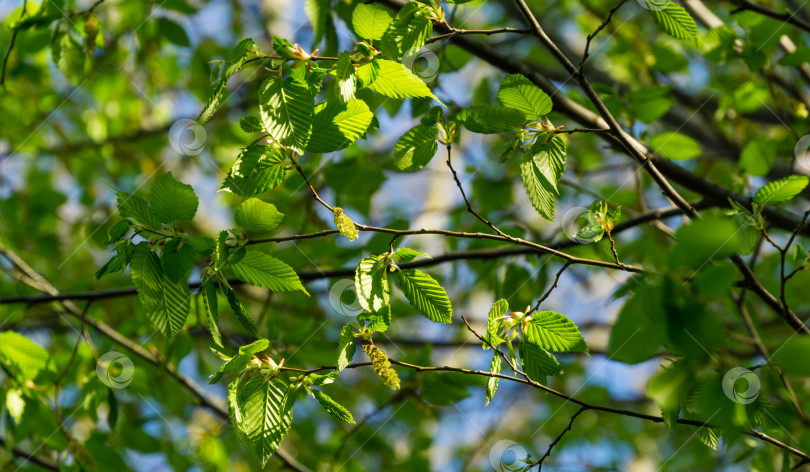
786,16
559,437
480,254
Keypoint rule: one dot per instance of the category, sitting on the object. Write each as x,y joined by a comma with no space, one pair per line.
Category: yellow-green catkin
382,367
345,225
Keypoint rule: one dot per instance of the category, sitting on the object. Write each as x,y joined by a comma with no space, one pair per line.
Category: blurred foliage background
71,135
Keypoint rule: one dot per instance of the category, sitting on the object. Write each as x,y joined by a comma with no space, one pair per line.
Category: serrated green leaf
492,382
241,312
117,231
266,414
396,81
286,108
538,363
371,284
370,21
675,146
338,124
520,93
782,190
498,310
258,169
237,59
489,119
346,76
258,216
555,332
117,263
146,271
172,201
408,32
346,347
673,19
425,294
211,305
541,173
135,208
338,411
25,357
166,303
708,436
262,270
250,124
415,149
178,260
68,55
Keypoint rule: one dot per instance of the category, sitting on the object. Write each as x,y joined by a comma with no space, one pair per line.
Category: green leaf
210,303
650,104
520,93
708,238
370,21
492,382
257,216
286,108
425,294
415,149
636,335
241,312
489,119
24,356
541,173
165,302
68,55
498,310
117,231
173,32
792,356
237,59
708,436
371,284
250,124
396,81
555,332
538,363
757,157
675,146
346,347
338,411
346,76
177,260
338,124
673,19
408,33
405,255
258,169
266,414
172,201
117,263
782,190
15,404
135,208
260,269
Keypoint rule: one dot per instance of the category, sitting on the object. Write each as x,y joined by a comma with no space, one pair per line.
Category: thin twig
593,35
559,437
10,47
